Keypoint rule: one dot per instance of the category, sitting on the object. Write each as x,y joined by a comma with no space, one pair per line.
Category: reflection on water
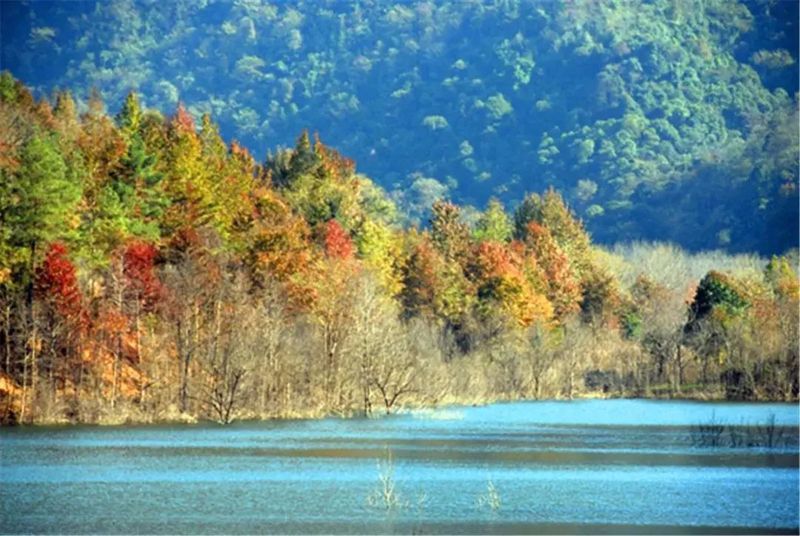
599,466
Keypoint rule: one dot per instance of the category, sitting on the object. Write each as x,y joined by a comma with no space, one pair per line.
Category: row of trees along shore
150,271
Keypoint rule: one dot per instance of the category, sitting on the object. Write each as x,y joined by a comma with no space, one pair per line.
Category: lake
581,466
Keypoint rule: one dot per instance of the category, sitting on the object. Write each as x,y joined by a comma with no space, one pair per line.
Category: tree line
151,271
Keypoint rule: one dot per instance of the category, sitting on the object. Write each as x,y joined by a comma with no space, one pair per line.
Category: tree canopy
669,120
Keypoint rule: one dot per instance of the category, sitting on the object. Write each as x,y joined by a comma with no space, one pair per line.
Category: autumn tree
320,184
62,319
273,321
449,234
717,310
562,284
331,282
277,242
420,279
188,183
550,211
659,315
494,224
228,352
192,278
381,250
385,366
503,287
539,350
782,278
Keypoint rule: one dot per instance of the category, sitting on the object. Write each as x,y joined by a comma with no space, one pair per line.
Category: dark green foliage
716,290
658,120
137,187
303,160
632,325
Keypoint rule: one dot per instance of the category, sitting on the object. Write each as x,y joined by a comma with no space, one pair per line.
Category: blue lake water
584,466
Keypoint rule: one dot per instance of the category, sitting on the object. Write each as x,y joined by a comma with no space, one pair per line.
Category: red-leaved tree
139,269
336,241
57,283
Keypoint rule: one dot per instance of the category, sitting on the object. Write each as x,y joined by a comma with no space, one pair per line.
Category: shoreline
190,420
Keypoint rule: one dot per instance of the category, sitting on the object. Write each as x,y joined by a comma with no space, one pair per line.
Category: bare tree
394,376
573,353
229,352
538,352
272,325
189,285
378,342
333,312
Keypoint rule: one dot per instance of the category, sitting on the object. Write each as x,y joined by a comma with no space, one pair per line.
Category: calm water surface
591,466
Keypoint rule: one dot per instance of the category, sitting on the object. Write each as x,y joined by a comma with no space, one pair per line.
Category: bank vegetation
150,271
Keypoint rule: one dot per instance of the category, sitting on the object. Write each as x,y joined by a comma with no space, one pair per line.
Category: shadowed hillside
668,120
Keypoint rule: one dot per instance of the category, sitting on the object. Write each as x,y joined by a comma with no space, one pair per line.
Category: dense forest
671,120
151,271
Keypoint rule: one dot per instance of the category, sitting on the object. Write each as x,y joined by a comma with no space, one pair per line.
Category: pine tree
41,199
138,186
188,182
303,160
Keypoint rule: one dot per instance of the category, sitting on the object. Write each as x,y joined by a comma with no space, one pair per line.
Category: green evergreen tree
138,187
39,204
303,161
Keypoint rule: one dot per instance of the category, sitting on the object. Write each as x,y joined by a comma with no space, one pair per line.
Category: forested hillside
670,119
150,270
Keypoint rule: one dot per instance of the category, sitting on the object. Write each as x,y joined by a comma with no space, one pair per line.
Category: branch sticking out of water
716,433
491,499
385,496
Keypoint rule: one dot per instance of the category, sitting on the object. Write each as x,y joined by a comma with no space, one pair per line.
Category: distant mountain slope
671,120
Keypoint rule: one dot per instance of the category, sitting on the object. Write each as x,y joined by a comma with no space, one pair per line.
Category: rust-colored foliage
57,283
242,156
336,241
45,113
139,269
332,163
183,120
277,240
500,276
102,147
563,288
420,279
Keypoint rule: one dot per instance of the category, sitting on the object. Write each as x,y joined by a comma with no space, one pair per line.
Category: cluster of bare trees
224,347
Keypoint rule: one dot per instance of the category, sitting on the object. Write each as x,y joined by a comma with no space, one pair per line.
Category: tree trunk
24,405
7,338
117,353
